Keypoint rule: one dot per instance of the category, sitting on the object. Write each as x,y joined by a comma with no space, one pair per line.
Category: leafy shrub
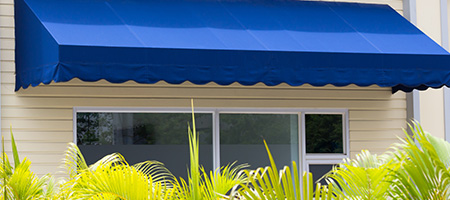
19,182
417,168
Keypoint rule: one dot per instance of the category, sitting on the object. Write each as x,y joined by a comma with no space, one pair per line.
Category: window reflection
324,133
144,136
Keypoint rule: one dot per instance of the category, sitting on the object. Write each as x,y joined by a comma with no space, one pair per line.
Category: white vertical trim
447,113
303,143
412,98
444,24
300,164
416,103
302,151
216,141
300,143
346,127
445,44
413,106
409,10
294,134
74,121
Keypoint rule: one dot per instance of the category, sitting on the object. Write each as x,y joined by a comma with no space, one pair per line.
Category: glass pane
324,133
144,136
319,170
241,138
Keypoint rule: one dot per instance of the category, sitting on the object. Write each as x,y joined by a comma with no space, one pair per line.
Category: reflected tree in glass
144,136
242,135
324,133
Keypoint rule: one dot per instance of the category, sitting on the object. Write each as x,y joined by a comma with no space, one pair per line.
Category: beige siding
42,117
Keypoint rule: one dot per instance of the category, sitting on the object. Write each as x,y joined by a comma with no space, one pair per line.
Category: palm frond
24,184
194,171
14,148
120,181
423,171
19,182
113,159
365,177
221,182
74,161
157,171
269,183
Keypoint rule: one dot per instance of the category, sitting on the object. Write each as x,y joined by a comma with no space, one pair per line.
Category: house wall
430,21
42,117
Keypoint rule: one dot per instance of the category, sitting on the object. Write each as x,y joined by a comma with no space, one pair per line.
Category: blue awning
224,41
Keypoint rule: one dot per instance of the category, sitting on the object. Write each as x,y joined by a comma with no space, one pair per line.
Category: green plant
219,183
113,178
364,178
18,182
424,163
202,185
417,168
268,184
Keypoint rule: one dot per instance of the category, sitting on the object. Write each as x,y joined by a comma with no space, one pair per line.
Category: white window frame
326,158
306,159
321,162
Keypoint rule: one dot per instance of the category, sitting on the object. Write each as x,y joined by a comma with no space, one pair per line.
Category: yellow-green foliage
118,181
203,185
18,182
364,178
418,168
268,184
424,167
113,178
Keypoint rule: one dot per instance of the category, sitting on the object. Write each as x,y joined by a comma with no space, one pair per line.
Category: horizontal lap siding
42,117
43,122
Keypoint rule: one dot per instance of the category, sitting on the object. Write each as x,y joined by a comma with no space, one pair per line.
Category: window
324,133
242,135
317,138
144,136
318,170
326,142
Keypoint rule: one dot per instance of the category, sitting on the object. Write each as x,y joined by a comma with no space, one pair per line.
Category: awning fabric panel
202,41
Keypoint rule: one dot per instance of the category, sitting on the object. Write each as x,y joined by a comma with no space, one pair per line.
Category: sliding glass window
242,136
144,136
314,140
